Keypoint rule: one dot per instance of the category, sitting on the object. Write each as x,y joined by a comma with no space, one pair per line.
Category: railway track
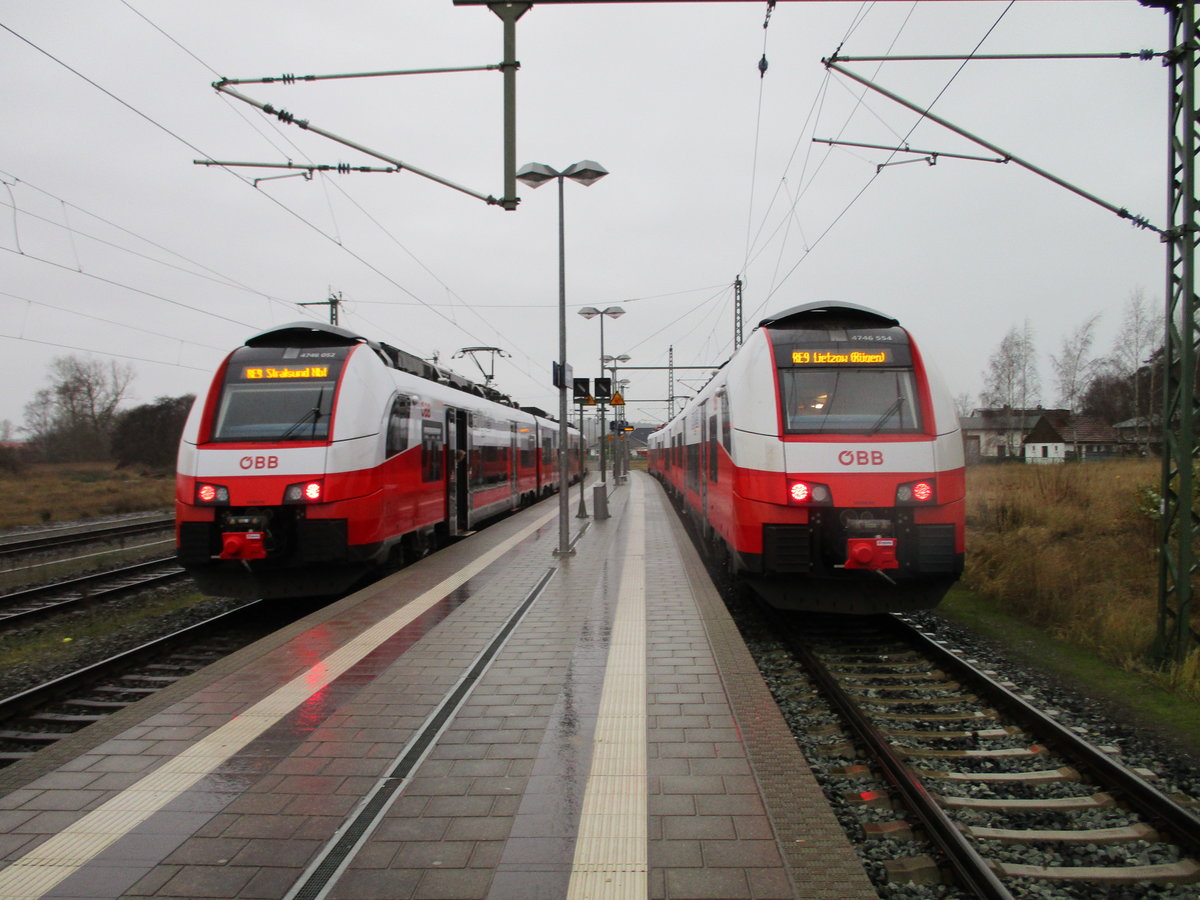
981,787
46,713
21,607
60,538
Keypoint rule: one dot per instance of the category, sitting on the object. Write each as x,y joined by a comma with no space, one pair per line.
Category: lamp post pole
535,175
612,312
564,527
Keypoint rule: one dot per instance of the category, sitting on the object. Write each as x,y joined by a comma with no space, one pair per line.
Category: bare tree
1012,379
73,418
1074,367
1011,382
1134,357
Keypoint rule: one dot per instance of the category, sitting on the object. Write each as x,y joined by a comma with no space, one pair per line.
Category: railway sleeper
929,735
866,684
1095,801
67,718
1186,871
955,700
1124,834
97,704
1001,753
968,716
1044,776
33,737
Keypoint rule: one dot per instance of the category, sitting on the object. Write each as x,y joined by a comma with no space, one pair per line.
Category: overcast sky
114,245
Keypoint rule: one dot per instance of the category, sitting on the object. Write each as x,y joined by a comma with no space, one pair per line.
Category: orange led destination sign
256,373
841,357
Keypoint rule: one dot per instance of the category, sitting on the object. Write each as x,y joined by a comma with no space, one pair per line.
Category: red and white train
825,458
318,456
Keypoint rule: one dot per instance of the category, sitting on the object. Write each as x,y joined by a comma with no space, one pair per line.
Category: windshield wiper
314,414
887,414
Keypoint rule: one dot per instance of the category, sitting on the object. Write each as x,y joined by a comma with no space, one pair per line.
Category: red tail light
208,494
917,493
304,492
808,493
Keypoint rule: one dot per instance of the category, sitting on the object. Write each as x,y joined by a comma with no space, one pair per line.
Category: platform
494,721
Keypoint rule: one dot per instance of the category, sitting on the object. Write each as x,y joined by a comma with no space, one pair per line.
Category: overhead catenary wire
146,117
877,172
387,232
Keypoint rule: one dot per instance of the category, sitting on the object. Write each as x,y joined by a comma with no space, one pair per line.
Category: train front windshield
274,394
849,400
275,412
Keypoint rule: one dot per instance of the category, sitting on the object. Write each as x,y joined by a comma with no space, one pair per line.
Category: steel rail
20,703
1145,798
47,541
144,573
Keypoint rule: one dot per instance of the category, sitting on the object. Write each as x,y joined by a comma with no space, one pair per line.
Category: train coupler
871,553
243,545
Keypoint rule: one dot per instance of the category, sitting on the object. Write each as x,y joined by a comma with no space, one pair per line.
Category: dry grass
1073,549
47,493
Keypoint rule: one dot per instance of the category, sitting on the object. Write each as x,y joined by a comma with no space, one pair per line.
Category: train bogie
825,462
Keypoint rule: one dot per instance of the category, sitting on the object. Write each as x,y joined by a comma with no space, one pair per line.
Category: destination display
875,356
275,373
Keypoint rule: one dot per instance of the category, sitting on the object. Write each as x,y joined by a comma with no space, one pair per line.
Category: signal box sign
603,389
580,387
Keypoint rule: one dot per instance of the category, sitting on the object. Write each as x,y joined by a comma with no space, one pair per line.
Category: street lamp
535,175
612,312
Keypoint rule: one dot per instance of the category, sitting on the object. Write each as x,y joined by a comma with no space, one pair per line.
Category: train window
397,427
431,451
528,445
713,456
847,400
726,428
275,411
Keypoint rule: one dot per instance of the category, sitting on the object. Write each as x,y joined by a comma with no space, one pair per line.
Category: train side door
458,500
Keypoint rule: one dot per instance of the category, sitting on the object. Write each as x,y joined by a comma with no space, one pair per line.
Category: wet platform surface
493,722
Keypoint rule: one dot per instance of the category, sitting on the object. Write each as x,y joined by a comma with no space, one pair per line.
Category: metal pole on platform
535,175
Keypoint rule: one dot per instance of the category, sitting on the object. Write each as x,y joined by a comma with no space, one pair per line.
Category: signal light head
917,493
208,494
304,492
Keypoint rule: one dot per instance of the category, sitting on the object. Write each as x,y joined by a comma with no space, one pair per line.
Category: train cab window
397,426
275,411
849,400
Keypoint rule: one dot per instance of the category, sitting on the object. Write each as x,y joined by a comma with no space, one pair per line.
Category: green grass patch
1134,691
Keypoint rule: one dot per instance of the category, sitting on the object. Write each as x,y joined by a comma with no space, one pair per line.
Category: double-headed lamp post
535,175
610,362
612,312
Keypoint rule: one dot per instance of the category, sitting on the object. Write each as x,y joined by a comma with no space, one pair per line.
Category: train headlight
917,493
304,492
208,494
808,493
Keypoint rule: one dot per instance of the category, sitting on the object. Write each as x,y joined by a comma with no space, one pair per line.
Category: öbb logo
259,462
861,457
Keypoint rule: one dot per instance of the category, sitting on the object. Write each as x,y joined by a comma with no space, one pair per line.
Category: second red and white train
825,461
318,456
